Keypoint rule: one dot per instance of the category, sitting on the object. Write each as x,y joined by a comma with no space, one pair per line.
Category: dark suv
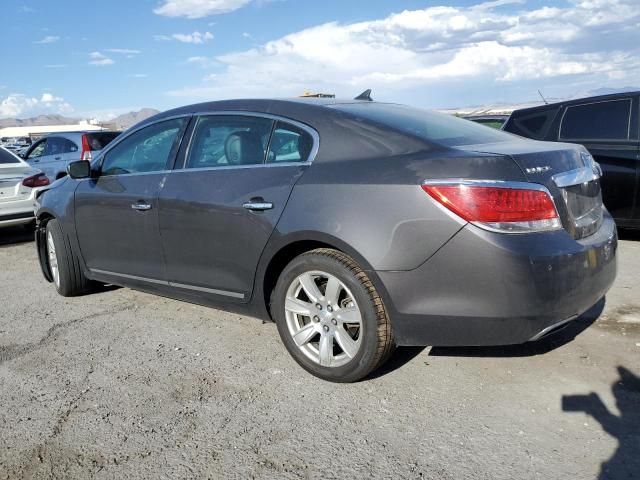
608,127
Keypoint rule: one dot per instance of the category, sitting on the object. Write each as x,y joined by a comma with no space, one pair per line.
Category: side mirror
79,169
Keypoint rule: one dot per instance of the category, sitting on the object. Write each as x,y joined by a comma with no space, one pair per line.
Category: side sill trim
170,284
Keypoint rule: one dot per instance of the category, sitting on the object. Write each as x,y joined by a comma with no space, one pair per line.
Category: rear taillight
86,149
509,208
38,180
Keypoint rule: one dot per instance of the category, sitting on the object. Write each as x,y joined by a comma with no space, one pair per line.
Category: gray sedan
355,225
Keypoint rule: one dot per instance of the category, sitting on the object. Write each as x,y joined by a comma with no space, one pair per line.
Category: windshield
7,157
434,127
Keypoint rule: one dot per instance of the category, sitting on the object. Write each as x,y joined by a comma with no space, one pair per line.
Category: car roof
574,101
278,106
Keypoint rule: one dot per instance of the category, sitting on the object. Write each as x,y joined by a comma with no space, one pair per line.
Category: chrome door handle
258,206
141,207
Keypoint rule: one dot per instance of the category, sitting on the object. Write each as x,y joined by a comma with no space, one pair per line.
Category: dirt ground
122,384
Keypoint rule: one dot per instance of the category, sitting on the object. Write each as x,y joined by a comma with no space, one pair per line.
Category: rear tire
330,316
64,264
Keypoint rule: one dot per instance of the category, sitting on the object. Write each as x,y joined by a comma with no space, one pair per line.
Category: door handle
141,207
258,206
57,158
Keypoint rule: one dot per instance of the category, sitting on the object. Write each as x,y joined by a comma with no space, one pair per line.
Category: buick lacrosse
355,225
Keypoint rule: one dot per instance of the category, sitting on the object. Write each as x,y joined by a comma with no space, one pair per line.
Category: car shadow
400,357
16,235
529,349
625,427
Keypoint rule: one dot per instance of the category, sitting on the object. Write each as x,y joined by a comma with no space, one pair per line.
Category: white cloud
202,61
100,59
481,47
123,51
48,39
198,8
56,65
17,104
195,37
139,75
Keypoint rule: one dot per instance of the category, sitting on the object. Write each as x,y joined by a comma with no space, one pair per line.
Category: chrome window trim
169,284
566,109
126,134
247,113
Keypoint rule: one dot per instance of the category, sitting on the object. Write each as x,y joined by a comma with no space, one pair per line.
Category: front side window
289,144
229,140
597,121
37,150
146,150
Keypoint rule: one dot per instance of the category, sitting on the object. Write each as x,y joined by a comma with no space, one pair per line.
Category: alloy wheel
53,259
323,318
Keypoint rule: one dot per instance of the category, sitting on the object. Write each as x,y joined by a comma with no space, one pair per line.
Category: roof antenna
543,99
366,95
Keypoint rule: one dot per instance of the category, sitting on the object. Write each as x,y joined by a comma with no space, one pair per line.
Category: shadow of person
625,428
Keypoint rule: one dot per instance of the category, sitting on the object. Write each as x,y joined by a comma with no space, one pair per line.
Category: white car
19,183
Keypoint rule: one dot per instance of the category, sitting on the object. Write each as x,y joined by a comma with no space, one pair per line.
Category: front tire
64,264
330,316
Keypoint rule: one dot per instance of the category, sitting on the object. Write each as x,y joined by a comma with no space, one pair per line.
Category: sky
100,59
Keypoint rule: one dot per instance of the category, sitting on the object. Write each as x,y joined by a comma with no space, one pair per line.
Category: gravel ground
122,384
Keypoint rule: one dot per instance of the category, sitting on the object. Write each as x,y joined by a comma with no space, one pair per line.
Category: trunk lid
566,170
11,177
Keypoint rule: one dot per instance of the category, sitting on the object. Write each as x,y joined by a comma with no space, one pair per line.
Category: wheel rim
53,259
323,319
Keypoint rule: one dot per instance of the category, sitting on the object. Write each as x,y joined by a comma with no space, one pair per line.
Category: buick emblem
543,169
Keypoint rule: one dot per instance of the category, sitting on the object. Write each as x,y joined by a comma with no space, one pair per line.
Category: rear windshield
6,157
97,141
434,127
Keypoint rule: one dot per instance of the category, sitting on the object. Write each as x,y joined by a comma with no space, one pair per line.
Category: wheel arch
278,255
42,219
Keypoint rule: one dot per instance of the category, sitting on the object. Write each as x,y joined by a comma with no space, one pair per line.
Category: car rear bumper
17,212
484,288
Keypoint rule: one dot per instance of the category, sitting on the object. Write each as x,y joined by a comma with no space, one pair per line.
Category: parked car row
355,225
608,127
42,162
19,183
54,152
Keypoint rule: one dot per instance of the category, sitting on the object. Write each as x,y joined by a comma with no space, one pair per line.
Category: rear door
609,130
116,213
220,206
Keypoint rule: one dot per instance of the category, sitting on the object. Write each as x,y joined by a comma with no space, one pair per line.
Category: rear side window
55,146
97,141
229,140
146,150
68,146
597,121
434,127
7,158
531,124
289,144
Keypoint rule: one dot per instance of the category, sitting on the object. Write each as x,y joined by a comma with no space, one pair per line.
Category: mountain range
121,121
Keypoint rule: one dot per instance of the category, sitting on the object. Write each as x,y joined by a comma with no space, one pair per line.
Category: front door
117,212
218,211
